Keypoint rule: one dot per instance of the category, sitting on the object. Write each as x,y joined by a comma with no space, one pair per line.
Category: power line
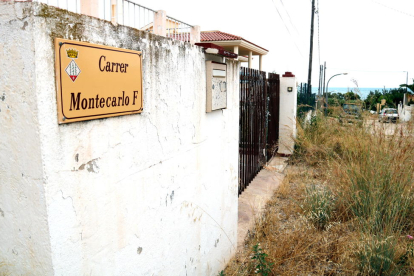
287,29
290,19
394,9
367,71
299,36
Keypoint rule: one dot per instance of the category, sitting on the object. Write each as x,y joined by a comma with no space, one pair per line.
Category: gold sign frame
96,81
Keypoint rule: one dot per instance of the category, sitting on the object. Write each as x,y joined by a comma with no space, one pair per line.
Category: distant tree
372,99
410,87
351,96
336,99
392,97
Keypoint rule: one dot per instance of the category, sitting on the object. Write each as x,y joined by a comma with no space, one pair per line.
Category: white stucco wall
147,194
287,114
24,235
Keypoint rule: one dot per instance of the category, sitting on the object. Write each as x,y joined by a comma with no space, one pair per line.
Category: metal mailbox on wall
216,86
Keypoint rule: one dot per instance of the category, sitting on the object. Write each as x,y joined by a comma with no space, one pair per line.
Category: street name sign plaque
96,81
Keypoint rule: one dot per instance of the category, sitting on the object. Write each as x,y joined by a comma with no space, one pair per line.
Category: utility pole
324,76
311,49
323,85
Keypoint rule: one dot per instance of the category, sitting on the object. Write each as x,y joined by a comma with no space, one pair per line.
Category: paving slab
254,198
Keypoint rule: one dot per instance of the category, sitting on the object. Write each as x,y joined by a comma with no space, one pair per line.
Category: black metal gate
259,122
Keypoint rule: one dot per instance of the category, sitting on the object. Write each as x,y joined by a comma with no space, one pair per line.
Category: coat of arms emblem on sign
73,69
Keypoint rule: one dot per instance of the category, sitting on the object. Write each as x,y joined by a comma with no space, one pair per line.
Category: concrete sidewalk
254,198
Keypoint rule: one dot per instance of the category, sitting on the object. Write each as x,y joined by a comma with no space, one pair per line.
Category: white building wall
147,194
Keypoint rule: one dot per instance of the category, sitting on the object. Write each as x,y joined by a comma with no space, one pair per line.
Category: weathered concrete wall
147,194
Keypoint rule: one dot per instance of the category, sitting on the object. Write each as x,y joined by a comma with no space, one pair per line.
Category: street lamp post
326,91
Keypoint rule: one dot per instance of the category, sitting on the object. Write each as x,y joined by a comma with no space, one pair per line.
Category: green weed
262,265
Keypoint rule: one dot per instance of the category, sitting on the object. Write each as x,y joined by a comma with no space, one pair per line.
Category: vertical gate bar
264,118
241,132
248,83
240,116
277,111
270,119
264,133
249,87
251,124
260,120
245,165
254,125
267,112
252,120
264,109
256,122
249,95
246,125
244,128
246,121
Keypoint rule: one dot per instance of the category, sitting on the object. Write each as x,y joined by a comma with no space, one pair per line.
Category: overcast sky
371,40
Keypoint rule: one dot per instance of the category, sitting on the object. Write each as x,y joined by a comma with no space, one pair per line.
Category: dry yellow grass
365,176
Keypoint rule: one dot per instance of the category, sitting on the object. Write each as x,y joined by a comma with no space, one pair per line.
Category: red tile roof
217,36
222,36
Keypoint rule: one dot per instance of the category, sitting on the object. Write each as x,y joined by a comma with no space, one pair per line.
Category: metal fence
136,16
252,130
130,14
178,30
306,99
70,5
259,122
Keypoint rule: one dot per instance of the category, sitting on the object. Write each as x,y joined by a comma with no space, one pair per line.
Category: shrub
318,206
377,256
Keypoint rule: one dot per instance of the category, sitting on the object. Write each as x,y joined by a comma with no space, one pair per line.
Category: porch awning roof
228,41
